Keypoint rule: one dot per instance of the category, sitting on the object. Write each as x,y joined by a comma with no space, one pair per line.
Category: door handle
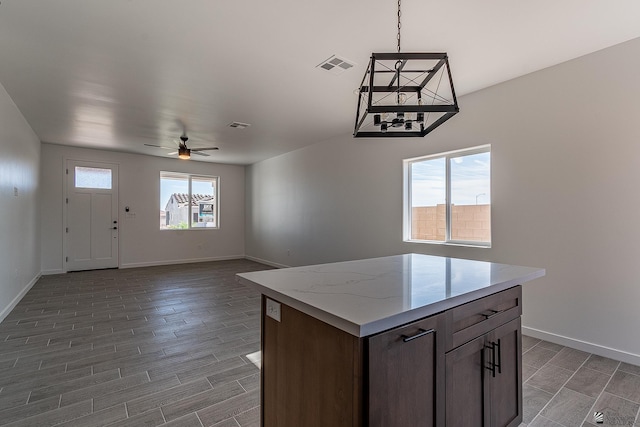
422,333
114,228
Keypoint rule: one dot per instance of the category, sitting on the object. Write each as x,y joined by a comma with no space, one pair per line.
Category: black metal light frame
445,108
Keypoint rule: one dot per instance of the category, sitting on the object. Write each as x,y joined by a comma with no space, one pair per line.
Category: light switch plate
273,309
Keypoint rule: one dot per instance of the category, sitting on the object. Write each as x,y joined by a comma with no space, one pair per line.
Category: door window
87,177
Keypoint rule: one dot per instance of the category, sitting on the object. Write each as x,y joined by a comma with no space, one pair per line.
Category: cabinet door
484,380
466,390
405,375
506,385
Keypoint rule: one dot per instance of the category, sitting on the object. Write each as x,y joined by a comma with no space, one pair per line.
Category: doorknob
115,228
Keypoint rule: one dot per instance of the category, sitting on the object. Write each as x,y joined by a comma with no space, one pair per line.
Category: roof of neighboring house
183,198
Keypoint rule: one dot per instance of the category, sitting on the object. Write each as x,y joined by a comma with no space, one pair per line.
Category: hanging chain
398,62
399,25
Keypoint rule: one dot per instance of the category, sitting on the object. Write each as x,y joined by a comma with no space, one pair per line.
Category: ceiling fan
184,152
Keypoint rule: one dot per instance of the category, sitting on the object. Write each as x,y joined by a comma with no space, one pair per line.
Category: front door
92,215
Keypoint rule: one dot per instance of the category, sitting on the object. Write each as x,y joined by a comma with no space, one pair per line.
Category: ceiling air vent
336,65
239,125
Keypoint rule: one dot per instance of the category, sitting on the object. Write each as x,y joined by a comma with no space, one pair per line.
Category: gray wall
19,214
565,170
142,242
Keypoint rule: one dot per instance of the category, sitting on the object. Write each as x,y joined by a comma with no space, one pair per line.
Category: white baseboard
180,261
589,347
51,272
264,261
5,312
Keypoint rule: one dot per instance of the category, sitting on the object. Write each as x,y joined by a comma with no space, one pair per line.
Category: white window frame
189,177
407,211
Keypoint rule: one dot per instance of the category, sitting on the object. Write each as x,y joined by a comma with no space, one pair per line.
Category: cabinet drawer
469,321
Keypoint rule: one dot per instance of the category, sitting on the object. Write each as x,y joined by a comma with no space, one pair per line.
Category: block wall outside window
448,198
470,223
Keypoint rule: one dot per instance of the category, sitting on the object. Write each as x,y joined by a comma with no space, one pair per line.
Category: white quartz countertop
368,296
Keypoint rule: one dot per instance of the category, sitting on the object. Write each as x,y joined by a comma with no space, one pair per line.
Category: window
188,201
86,177
448,197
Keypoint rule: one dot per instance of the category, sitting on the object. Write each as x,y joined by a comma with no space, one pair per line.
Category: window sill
460,244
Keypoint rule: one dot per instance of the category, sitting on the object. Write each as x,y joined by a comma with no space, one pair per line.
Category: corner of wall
7,309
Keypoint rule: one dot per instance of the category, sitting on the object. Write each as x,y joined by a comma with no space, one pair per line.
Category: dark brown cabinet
465,389
405,375
311,372
505,388
483,376
483,386
458,368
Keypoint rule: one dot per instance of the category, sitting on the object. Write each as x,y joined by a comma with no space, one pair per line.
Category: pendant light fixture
404,94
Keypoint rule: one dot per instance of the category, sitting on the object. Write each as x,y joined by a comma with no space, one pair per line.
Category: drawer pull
493,364
422,333
490,313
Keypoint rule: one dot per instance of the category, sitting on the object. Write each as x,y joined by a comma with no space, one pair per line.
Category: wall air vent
336,65
239,125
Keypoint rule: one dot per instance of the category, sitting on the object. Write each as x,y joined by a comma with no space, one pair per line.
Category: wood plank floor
135,347
168,346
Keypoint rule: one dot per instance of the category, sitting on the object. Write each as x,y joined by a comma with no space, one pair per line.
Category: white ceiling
121,73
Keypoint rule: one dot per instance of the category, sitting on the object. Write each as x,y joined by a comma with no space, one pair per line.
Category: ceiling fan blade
199,153
203,149
160,146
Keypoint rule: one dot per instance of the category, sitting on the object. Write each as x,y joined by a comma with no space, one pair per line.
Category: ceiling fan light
408,125
184,153
383,127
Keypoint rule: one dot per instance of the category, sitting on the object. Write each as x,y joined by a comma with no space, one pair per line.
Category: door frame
65,206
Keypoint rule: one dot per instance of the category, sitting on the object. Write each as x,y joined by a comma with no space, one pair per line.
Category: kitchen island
407,340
